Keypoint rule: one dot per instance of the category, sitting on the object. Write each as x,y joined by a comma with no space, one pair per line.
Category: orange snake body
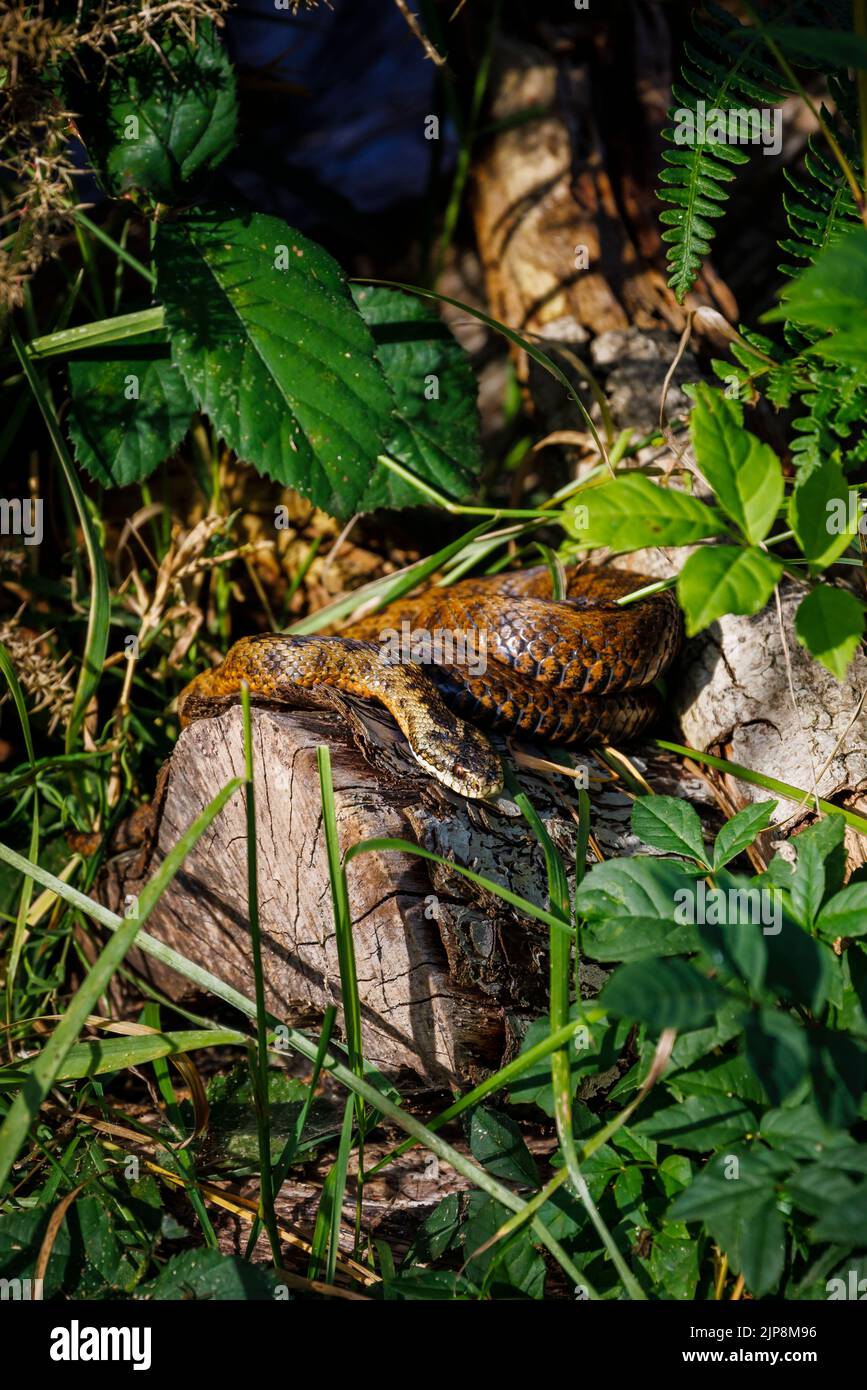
567,671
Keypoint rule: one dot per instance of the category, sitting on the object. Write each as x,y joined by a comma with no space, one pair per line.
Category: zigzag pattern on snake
567,671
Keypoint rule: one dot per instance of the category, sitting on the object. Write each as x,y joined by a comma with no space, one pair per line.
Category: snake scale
564,671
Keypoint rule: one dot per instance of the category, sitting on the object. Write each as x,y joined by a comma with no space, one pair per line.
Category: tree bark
448,973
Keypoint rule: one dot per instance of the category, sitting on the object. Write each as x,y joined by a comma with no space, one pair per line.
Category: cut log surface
448,973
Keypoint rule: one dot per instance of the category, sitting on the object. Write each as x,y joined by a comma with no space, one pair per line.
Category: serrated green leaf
733,927
631,907
845,1223
838,1066
778,1051
161,115
209,1274
820,867
845,914
436,422
823,46
497,1143
830,624
741,830
745,474
799,967
270,344
674,1262
129,413
699,1123
724,1076
510,1264
662,994
631,512
830,295
734,1197
721,579
814,514
669,824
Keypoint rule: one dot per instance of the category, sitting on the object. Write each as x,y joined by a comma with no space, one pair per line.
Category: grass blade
103,333
97,1056
19,935
760,779
99,615
45,1067
259,1058
561,1076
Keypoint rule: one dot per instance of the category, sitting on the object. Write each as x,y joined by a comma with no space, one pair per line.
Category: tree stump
448,973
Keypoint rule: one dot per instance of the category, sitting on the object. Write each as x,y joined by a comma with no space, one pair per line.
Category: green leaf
160,117
627,1188
821,1186
675,1174
839,1069
129,413
820,867
209,1274
826,46
699,1123
436,424
831,295
830,624
734,1197
733,935
429,1285
662,994
740,831
727,1024
846,1222
594,1049
669,824
754,1238
799,968
777,1050
269,342
508,1265
631,512
674,1262
745,474
497,1143
720,579
439,1231
724,1076
797,1131
845,914
631,909
814,514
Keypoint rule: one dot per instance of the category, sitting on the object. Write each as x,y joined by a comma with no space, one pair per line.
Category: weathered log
566,255
750,690
448,973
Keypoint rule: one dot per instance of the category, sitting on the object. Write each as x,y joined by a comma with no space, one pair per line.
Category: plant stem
786,68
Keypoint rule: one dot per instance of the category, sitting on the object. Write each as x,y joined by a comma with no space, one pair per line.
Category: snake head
460,757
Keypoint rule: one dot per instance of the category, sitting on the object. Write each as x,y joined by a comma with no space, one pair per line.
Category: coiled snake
566,672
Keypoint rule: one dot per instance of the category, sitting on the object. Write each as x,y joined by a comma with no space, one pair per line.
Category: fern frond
725,71
818,207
